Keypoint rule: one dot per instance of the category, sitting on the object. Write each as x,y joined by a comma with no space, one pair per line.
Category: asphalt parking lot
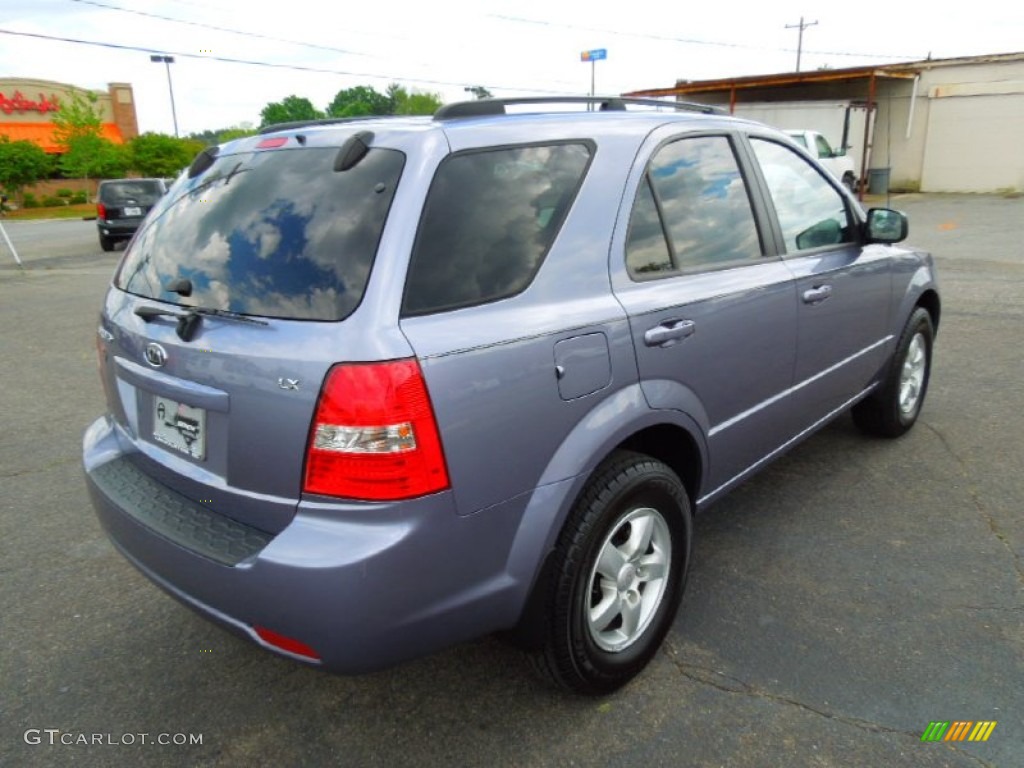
839,602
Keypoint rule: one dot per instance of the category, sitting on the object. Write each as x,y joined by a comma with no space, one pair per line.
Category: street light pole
167,61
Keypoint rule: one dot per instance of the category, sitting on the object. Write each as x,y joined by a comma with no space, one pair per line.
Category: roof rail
317,121
491,107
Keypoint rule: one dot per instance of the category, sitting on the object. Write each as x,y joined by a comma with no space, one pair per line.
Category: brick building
27,107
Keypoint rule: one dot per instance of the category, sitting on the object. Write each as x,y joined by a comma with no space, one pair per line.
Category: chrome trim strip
796,388
788,443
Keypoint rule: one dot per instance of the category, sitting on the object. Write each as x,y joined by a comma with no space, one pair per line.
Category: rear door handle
669,332
817,294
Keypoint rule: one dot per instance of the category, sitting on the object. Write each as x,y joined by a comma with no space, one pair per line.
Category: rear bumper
364,585
118,227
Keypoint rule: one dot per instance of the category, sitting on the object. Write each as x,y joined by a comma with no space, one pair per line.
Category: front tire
622,560
894,409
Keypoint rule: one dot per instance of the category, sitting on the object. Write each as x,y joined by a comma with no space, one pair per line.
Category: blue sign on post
595,55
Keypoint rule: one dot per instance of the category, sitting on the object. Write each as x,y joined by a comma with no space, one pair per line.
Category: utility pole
800,38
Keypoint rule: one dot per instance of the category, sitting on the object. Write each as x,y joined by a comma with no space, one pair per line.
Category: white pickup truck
835,160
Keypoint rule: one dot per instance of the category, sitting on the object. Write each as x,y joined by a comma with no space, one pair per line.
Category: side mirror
885,225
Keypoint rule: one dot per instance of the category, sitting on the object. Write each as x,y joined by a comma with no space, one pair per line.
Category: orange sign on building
26,108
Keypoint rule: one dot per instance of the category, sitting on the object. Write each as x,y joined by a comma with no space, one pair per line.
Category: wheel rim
912,375
628,580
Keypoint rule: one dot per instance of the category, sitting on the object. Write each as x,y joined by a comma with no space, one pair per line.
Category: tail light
101,210
374,436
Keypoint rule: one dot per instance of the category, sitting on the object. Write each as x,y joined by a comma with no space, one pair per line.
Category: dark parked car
122,204
376,387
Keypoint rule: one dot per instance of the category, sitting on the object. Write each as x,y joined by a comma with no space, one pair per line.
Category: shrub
64,193
51,201
79,197
30,200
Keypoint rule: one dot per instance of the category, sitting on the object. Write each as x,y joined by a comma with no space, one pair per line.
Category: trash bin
878,181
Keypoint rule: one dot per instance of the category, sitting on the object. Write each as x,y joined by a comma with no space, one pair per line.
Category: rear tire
621,565
894,408
106,243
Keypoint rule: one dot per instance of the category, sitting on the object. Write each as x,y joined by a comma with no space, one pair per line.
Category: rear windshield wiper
188,322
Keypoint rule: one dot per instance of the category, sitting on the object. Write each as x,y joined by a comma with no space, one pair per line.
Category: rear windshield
276,233
139,192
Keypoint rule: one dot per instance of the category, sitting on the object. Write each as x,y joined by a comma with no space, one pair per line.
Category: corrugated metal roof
905,70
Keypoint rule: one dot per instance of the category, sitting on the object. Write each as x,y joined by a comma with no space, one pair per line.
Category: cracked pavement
838,602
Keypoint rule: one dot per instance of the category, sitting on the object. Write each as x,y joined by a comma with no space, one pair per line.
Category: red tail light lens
374,436
101,210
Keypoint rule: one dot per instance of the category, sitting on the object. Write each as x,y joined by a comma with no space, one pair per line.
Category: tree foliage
358,102
90,156
21,163
289,109
220,135
79,115
478,91
157,154
414,103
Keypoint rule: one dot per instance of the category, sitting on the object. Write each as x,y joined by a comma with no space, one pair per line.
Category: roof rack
318,121
491,107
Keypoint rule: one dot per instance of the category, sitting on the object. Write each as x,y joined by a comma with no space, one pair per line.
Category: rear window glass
142,192
275,233
489,220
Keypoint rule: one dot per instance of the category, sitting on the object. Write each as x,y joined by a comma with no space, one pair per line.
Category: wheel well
930,301
675,447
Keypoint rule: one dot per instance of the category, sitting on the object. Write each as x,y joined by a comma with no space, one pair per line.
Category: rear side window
488,222
692,212
275,233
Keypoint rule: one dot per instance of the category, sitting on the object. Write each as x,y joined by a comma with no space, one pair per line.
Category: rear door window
275,233
692,212
488,222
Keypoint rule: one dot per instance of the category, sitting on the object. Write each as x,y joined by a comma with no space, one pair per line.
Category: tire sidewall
919,323
658,489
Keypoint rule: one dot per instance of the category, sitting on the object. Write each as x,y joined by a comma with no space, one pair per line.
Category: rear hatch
228,310
129,198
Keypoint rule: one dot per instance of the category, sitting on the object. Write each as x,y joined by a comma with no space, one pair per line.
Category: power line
251,62
216,28
694,41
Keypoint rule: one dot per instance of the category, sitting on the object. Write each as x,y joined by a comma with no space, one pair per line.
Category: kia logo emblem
156,355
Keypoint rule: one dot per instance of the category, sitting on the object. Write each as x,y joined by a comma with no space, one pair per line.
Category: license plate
179,426
132,211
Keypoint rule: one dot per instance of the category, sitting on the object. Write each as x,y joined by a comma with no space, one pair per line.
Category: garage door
974,144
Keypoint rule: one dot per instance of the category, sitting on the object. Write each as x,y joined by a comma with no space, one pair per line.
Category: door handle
669,332
817,294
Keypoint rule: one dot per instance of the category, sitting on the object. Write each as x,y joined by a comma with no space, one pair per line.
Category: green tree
289,109
157,154
79,115
21,163
415,103
213,136
236,132
91,156
478,91
359,101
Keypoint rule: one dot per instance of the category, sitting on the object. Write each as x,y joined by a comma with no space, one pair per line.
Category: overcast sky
513,47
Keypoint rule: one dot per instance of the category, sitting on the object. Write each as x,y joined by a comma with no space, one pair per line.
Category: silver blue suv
380,386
